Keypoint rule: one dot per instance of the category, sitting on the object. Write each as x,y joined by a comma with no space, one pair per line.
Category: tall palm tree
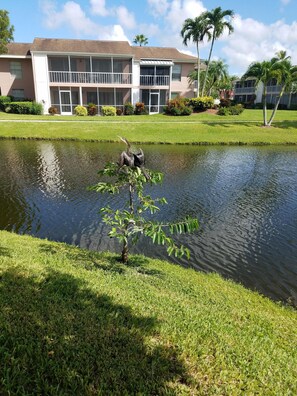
286,77
262,72
216,20
196,29
140,39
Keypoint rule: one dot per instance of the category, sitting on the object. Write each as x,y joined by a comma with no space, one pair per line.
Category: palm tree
216,21
195,30
286,77
217,75
140,39
262,72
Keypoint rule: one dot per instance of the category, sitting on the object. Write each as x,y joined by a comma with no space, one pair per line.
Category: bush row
92,110
180,106
24,108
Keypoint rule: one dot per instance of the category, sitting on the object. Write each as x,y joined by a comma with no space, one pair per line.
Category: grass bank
77,322
201,128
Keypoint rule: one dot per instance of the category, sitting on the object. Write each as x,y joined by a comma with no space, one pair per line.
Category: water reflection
245,199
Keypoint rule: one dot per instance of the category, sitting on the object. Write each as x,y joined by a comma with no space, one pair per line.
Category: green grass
201,128
75,322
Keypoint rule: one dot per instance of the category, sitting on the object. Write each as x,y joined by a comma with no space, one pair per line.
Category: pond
244,197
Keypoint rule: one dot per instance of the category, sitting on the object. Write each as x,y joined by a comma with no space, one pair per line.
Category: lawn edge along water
199,129
73,321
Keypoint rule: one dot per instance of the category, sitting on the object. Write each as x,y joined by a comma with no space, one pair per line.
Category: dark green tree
140,39
6,31
218,21
131,222
196,30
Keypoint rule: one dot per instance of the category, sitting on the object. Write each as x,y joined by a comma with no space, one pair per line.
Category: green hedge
231,110
4,101
24,108
202,103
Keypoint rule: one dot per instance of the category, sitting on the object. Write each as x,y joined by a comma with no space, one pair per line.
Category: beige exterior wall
8,82
182,87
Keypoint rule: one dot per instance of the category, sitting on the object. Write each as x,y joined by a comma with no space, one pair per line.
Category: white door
154,102
65,101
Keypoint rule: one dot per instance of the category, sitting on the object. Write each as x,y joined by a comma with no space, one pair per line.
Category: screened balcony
89,78
89,70
154,75
153,80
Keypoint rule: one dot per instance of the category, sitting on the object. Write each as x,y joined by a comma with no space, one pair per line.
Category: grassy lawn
201,128
75,322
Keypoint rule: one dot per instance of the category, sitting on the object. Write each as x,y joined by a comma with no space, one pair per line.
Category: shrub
80,110
119,112
36,108
202,103
4,101
128,108
236,110
231,110
177,107
140,109
25,108
225,102
92,109
108,111
223,111
53,110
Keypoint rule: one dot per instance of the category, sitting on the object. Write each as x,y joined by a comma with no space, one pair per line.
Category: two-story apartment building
67,73
248,92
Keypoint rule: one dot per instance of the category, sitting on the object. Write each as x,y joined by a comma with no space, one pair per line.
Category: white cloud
115,32
98,8
71,14
254,41
125,18
158,7
180,10
285,2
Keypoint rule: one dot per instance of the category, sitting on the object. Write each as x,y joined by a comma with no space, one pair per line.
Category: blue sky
261,27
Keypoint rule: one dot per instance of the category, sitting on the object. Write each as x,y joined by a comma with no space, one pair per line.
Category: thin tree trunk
125,252
208,62
276,106
198,71
264,107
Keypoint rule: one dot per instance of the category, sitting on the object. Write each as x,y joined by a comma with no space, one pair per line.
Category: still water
244,197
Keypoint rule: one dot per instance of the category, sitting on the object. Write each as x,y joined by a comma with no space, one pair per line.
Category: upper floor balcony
244,90
154,80
68,77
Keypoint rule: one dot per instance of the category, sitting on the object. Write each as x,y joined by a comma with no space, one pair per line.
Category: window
18,93
176,72
16,69
174,95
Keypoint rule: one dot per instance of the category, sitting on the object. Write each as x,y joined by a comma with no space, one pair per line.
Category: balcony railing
89,78
244,90
154,80
273,89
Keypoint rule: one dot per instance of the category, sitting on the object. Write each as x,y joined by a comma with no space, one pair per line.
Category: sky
261,27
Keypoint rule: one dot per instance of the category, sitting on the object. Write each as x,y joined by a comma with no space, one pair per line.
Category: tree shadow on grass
57,337
92,261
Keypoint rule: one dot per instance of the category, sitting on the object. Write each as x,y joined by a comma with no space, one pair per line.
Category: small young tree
6,31
129,223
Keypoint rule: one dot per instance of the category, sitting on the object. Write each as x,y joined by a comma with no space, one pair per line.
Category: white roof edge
81,54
